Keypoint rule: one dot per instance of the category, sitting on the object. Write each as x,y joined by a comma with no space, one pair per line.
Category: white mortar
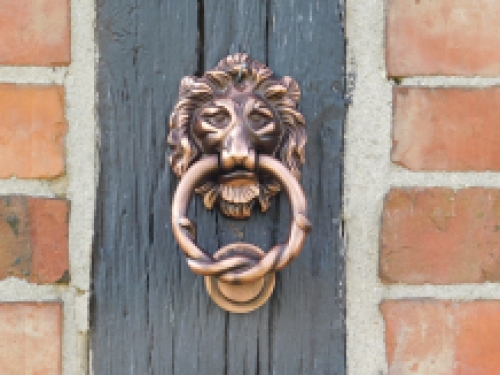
81,144
368,176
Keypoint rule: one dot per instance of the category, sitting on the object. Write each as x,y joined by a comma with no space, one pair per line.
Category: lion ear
195,88
275,92
292,87
186,84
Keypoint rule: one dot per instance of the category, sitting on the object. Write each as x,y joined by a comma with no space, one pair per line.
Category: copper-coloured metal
241,266
241,297
238,138
237,110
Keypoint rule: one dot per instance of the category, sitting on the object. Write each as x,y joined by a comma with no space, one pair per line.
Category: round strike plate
240,298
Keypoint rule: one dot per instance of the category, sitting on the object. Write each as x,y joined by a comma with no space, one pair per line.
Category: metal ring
240,268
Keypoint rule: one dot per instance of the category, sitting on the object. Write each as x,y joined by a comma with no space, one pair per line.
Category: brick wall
439,235
423,187
422,191
46,184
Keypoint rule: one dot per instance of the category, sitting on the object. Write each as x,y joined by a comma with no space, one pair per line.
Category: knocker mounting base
241,297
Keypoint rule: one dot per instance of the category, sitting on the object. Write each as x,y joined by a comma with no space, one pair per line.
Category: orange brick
34,239
30,339
477,339
446,128
443,37
440,236
442,337
32,132
35,32
48,219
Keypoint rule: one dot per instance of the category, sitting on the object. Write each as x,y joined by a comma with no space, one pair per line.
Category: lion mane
282,96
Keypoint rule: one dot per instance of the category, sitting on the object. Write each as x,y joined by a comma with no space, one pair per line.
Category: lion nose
237,151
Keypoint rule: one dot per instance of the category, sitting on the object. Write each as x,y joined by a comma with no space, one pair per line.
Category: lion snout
231,159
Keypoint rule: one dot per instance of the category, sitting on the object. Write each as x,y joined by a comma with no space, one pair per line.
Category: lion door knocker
237,138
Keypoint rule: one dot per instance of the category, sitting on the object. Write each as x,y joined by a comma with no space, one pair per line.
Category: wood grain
150,314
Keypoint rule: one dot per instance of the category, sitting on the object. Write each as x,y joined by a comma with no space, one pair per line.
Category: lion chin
237,201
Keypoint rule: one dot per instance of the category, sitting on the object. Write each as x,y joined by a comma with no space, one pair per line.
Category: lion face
237,110
237,127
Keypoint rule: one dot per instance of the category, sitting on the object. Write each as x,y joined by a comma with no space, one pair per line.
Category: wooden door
150,313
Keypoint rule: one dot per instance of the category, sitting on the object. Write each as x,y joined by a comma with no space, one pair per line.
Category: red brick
442,337
443,37
15,244
35,32
48,220
30,339
32,132
446,129
440,236
34,239
477,341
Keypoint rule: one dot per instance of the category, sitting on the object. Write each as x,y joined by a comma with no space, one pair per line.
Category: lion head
237,110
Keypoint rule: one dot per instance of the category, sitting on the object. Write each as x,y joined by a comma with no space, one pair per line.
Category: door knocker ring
237,138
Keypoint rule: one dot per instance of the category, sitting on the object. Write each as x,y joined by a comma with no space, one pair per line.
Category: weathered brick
35,32
15,243
439,236
34,239
48,220
443,37
32,132
30,339
446,128
442,337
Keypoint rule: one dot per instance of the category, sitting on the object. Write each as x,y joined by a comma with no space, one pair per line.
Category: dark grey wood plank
306,41
149,310
234,26
150,314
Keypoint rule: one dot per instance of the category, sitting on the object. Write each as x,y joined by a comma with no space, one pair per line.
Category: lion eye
216,116
259,117
219,117
220,120
256,117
